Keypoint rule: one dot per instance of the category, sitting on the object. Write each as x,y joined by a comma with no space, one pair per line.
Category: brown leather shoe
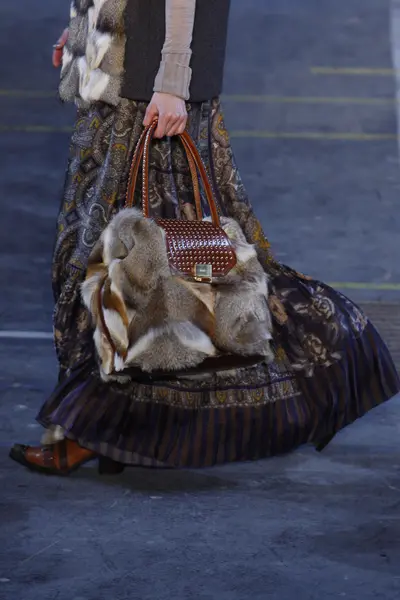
61,458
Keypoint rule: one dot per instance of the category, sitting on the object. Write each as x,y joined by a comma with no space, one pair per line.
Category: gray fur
111,16
179,345
82,6
243,321
175,324
86,75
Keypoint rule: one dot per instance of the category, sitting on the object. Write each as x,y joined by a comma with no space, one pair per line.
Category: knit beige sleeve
175,73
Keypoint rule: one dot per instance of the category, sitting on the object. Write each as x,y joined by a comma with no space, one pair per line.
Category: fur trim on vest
93,58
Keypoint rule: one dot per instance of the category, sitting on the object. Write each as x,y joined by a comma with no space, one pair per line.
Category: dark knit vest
145,32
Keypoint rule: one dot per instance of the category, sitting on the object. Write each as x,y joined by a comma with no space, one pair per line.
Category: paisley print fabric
328,356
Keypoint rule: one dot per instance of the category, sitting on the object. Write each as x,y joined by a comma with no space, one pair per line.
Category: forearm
175,73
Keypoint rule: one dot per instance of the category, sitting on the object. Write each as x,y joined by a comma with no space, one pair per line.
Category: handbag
174,298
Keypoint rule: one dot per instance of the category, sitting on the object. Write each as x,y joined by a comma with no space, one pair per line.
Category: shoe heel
321,445
107,466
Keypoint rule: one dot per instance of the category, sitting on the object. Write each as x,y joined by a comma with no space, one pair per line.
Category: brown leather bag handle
134,170
196,167
191,147
195,183
146,163
136,161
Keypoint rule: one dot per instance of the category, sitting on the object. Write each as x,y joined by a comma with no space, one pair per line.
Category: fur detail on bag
144,316
93,58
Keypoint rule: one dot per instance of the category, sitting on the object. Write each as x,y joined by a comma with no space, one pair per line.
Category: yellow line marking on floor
242,134
314,135
307,100
11,334
236,98
34,129
354,71
28,94
374,287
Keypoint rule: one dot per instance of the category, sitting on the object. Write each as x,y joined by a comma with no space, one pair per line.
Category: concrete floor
301,527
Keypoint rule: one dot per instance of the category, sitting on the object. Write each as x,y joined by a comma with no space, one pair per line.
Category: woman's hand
171,113
58,49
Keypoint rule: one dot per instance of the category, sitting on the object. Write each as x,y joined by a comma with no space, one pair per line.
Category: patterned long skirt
330,365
